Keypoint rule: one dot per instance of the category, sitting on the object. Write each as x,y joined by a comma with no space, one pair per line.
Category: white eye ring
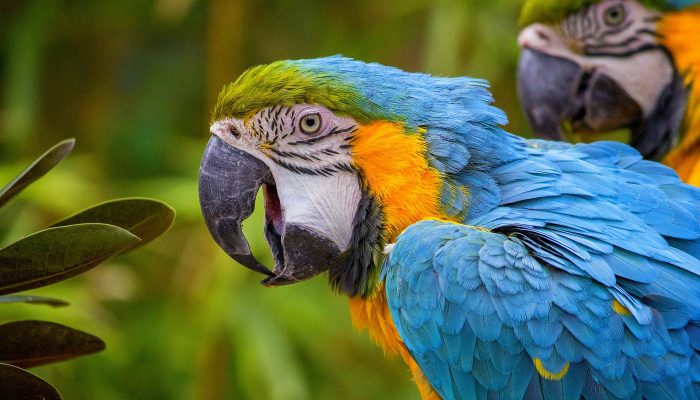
310,123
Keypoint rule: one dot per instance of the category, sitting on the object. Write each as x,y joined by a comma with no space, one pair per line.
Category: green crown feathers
283,83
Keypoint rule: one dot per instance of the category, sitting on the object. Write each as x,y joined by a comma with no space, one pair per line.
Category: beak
228,184
555,91
229,180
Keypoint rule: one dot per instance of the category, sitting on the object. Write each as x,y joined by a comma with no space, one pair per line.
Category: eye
614,15
310,123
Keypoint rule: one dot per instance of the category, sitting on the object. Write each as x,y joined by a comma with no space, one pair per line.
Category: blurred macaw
497,267
597,66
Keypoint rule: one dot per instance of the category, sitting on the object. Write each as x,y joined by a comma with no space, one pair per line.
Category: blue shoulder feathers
574,274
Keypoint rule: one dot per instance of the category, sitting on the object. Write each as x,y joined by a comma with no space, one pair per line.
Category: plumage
517,269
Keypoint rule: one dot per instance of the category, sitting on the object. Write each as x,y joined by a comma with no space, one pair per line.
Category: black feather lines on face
595,39
581,26
298,156
354,272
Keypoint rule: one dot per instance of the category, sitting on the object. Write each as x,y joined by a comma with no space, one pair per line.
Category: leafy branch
68,248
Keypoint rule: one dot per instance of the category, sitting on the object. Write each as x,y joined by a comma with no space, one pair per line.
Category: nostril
542,35
234,132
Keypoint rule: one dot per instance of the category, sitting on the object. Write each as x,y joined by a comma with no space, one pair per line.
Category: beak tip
276,280
249,261
265,283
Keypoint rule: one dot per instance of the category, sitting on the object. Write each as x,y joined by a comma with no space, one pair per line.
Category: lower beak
554,91
229,180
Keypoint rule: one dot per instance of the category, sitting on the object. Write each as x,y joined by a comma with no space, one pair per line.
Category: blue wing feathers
499,307
564,232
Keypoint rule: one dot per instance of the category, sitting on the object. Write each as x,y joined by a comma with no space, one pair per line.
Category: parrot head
347,154
591,66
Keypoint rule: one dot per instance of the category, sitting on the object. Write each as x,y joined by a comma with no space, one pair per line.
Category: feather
475,343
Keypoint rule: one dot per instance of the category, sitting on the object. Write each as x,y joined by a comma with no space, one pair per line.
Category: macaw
598,66
496,267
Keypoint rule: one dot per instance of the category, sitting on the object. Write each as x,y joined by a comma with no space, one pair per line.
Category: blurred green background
134,81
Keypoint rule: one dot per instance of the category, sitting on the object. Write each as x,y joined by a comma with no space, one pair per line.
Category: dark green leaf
145,218
56,254
48,301
18,384
36,170
29,344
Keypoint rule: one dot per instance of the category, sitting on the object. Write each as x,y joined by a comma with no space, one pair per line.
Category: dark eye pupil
614,16
310,124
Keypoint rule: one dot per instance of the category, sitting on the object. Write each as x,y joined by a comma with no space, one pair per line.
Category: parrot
592,66
496,267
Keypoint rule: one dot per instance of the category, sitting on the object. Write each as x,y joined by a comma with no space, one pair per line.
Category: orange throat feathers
680,34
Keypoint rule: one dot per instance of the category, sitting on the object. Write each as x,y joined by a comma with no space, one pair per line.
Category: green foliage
48,301
36,170
69,248
55,254
17,383
29,344
143,218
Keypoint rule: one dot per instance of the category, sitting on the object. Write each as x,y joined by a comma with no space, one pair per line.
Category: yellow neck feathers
680,33
396,171
373,315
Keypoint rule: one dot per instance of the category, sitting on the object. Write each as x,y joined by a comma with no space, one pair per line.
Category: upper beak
228,184
554,90
229,180
544,87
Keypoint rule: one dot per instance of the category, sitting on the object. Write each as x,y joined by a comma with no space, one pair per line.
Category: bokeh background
133,81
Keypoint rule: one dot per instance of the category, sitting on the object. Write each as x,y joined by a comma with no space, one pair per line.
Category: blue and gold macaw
596,66
497,267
